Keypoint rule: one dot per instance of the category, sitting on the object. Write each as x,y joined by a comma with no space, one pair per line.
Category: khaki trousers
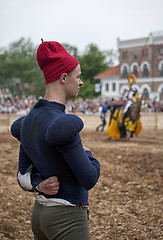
59,222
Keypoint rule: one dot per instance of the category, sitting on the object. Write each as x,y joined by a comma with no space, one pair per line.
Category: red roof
110,72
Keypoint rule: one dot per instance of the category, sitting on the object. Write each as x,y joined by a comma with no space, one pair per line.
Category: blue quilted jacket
51,142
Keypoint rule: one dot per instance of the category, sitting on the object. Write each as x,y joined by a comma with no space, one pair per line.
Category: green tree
19,69
87,90
92,62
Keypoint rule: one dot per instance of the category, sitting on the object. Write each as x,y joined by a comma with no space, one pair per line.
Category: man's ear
63,77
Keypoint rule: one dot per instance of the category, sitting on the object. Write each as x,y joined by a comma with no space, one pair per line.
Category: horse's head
135,112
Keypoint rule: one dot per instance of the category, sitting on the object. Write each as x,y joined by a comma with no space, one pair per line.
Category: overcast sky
79,23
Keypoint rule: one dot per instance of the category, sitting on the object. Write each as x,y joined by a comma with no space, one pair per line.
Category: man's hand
50,186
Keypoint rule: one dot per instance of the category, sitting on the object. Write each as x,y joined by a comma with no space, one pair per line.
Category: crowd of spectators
21,106
151,106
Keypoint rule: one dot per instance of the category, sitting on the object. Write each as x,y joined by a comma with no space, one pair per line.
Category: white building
142,57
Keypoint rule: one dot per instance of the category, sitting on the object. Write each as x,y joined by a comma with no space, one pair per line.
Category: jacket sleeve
27,176
83,165
63,133
16,128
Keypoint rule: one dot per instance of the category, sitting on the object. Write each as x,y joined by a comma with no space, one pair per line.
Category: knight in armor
129,98
124,119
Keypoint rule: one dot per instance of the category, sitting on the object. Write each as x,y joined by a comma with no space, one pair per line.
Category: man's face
73,83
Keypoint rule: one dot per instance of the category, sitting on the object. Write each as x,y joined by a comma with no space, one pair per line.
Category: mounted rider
129,98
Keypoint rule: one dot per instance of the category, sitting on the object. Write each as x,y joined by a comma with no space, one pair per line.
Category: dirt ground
126,203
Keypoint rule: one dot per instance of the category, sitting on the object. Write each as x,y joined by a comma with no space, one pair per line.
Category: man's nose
81,83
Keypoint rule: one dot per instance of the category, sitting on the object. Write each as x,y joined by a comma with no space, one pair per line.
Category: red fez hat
53,60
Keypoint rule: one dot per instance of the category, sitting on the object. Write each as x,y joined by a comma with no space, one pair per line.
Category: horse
131,121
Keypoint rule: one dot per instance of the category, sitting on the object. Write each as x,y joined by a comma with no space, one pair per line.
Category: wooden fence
149,121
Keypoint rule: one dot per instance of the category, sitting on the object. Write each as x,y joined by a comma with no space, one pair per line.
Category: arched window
125,94
125,72
134,68
160,67
145,70
146,93
135,71
124,89
161,70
